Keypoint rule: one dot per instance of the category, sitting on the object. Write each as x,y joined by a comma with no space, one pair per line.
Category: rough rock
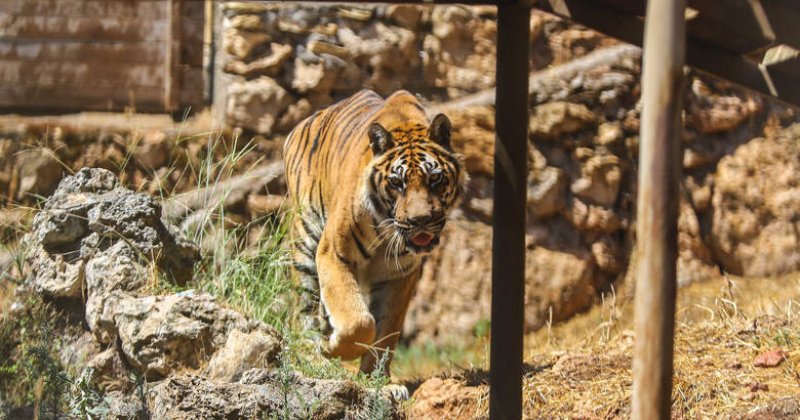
247,23
770,358
559,280
85,216
158,334
754,228
711,111
313,77
123,407
258,393
153,150
406,16
444,310
386,54
606,254
115,233
256,104
695,262
241,44
446,398
600,179
321,47
589,217
296,112
39,172
555,119
473,137
459,52
97,239
243,351
547,194
267,65
609,134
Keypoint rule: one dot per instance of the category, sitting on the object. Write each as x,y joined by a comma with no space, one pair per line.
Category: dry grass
582,367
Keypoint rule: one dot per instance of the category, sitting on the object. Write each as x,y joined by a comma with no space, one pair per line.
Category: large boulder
257,104
159,334
453,295
755,203
87,215
39,171
258,394
98,240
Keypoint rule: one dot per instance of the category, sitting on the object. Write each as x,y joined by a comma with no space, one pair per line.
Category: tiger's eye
435,178
396,182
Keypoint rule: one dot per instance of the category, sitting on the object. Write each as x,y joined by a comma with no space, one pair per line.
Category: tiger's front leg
389,304
353,325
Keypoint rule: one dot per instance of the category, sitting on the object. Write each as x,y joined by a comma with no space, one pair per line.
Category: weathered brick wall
100,54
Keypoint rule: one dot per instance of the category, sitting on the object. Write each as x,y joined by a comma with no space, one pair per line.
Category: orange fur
374,180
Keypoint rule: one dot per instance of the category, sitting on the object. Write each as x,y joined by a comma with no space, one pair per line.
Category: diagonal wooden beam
702,56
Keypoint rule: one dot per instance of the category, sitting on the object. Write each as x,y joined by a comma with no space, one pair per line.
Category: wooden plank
782,67
595,15
784,19
78,72
21,97
508,223
194,10
631,7
83,28
192,84
739,26
96,52
657,208
153,9
172,51
192,39
783,58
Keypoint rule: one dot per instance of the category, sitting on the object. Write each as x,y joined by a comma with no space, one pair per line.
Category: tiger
373,181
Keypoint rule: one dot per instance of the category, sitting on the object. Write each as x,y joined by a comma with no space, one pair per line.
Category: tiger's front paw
353,338
396,392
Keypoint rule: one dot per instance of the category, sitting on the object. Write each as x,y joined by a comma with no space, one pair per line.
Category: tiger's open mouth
422,241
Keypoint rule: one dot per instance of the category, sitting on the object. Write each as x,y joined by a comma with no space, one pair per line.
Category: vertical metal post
508,241
657,215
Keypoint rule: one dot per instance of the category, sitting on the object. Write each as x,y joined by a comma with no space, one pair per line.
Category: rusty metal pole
508,241
657,208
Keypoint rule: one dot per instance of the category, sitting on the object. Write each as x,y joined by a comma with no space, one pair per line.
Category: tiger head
413,181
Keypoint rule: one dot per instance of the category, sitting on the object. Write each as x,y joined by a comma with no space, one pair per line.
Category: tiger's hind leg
307,229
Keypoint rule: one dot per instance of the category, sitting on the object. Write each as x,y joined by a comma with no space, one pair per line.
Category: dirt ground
737,355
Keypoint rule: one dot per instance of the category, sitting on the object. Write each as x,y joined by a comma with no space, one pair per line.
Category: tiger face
414,180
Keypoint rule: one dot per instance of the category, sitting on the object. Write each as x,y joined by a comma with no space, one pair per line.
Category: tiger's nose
420,220
425,219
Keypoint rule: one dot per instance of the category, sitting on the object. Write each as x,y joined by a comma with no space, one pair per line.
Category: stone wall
277,64
739,196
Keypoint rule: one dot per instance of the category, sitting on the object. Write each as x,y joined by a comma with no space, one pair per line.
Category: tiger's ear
440,130
379,139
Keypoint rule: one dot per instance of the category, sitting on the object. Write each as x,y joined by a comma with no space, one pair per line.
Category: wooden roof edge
778,83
